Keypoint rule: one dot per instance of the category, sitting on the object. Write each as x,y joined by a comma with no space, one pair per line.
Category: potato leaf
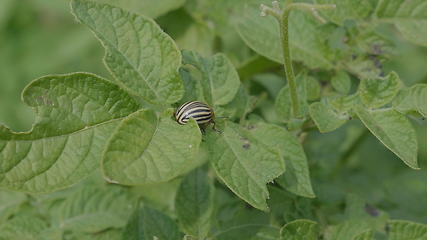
145,149
412,99
394,130
92,209
300,229
347,9
194,204
375,93
23,226
219,82
307,37
147,8
341,82
244,163
368,235
147,223
325,117
410,18
296,179
142,58
399,229
76,114
283,104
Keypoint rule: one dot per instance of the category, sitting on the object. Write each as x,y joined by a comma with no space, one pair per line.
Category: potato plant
318,134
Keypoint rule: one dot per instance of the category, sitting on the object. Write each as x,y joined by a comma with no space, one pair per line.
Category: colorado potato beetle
201,112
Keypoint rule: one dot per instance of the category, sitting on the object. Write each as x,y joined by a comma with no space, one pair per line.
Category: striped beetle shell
201,112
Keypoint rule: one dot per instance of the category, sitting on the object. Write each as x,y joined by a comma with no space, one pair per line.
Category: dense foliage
328,146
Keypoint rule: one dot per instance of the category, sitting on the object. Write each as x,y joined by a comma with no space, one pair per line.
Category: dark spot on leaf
345,39
353,56
246,144
250,127
376,61
371,210
376,49
323,83
387,228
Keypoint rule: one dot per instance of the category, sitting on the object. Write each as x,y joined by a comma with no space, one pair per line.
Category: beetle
199,111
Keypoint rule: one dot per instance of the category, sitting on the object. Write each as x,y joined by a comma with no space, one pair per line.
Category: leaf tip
414,166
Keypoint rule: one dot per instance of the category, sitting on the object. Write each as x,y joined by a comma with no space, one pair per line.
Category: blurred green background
41,37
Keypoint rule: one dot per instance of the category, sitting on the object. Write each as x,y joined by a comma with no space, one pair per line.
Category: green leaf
149,224
10,203
159,195
219,82
359,223
219,17
112,234
218,13
410,18
197,37
364,66
300,229
326,118
147,8
23,226
142,58
412,99
92,208
236,221
307,36
375,93
244,163
296,179
76,114
52,234
145,149
347,9
343,104
194,204
237,108
394,130
266,233
368,235
313,88
272,83
399,229
283,105
348,230
192,84
341,82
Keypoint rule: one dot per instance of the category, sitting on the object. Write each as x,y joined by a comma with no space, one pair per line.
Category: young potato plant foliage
127,170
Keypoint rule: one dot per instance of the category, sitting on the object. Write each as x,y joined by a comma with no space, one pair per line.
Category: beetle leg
214,127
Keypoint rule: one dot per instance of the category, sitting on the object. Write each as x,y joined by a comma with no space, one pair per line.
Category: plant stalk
287,61
283,18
